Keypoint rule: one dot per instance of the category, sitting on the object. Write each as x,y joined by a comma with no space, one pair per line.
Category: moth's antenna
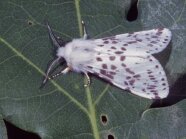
49,69
53,38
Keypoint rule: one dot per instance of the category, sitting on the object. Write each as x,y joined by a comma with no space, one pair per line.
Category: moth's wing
125,60
140,43
143,76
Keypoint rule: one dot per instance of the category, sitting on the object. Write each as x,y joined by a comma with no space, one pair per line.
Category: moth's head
61,52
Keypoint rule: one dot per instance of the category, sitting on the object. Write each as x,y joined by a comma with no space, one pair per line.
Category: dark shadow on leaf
17,133
164,56
177,93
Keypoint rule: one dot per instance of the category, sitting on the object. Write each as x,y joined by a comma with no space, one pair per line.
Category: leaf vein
40,71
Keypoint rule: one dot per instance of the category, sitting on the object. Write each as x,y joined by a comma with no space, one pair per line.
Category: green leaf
161,123
64,108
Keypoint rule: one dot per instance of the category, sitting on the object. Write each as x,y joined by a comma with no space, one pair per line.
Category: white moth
124,60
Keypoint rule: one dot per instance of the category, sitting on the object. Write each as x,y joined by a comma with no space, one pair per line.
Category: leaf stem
92,114
77,5
91,106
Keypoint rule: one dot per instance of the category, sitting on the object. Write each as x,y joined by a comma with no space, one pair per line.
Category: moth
124,60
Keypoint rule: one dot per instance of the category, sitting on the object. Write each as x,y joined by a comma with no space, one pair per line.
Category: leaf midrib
91,106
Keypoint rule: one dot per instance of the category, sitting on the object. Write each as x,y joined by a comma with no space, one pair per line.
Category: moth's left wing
140,43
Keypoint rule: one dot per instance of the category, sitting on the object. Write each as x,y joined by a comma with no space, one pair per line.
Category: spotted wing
140,43
125,60
143,76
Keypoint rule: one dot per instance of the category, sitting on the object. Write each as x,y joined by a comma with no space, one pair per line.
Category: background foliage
64,108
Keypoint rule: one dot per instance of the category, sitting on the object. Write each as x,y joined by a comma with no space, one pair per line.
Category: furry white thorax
77,53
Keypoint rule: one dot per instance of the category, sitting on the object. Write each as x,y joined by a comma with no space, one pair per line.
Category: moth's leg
88,80
85,35
66,70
